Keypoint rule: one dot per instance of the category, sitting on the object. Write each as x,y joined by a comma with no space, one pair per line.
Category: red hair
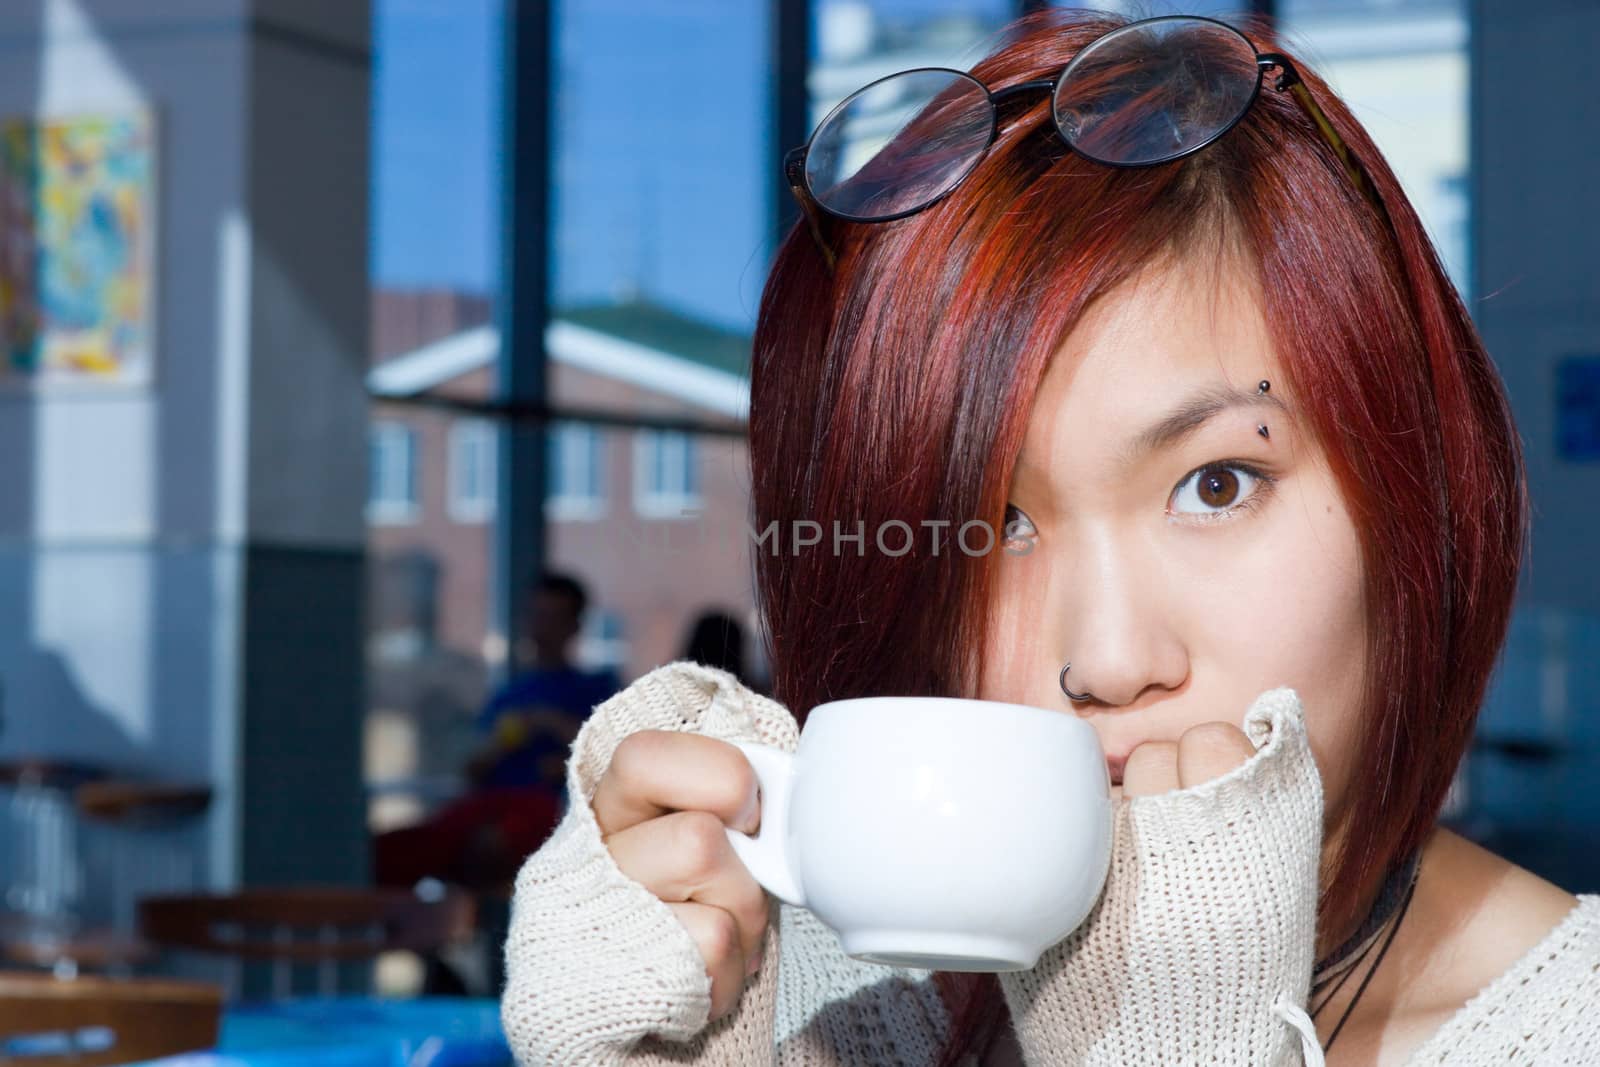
900,387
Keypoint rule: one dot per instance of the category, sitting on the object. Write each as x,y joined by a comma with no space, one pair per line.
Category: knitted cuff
1201,947
595,961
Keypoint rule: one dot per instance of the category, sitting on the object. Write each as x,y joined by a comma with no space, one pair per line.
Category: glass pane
855,42
1526,788
661,199
435,174
653,563
1403,69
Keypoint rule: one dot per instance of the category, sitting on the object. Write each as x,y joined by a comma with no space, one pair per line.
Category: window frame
462,507
654,502
383,510
561,505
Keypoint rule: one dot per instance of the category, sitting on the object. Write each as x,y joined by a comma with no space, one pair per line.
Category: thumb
1209,751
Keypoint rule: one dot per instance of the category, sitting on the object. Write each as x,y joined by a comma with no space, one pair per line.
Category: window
434,641
660,212
472,471
854,43
392,478
603,642
666,475
1404,69
577,472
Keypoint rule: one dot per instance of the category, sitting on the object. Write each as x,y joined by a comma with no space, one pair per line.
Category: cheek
1310,632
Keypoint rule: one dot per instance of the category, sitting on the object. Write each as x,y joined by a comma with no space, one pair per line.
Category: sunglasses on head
1145,93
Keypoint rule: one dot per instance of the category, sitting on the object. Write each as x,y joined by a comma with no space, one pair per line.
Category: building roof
647,346
668,332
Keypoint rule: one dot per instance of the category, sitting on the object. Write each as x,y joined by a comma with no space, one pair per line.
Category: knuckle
740,781
1152,754
701,842
727,778
749,904
1211,737
635,752
720,938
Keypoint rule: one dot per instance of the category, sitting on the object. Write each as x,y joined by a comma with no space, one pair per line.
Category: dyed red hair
900,387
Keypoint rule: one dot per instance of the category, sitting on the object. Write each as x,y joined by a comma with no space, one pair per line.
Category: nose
1119,627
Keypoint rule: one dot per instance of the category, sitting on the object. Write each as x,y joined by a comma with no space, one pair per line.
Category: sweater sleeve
1201,946
836,1011
598,969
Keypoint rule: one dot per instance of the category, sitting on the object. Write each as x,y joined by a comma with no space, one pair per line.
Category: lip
1114,766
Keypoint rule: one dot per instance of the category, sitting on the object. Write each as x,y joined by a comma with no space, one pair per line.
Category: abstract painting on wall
77,230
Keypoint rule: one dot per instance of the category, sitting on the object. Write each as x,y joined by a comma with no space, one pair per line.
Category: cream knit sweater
1198,952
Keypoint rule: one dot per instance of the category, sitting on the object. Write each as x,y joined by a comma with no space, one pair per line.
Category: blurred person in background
717,640
517,777
532,719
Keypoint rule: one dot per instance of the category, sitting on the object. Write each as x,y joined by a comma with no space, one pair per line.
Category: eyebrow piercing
1263,385
1262,430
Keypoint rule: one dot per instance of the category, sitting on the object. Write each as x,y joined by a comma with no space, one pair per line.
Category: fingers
685,856
1209,751
663,806
656,771
1204,752
717,938
1152,769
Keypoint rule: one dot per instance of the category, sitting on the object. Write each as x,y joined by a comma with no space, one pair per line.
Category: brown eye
1219,489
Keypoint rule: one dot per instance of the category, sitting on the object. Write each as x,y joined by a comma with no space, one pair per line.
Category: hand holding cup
664,807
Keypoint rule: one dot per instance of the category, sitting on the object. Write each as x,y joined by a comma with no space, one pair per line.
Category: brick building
615,507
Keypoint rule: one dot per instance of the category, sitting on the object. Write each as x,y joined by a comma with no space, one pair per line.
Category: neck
1337,931
1373,912
1367,988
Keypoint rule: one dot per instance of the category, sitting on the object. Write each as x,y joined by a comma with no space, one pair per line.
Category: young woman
1146,301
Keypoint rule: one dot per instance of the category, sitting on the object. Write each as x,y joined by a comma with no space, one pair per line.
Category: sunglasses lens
899,144
1154,91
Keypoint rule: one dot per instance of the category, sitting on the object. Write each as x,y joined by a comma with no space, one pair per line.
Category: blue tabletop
356,1032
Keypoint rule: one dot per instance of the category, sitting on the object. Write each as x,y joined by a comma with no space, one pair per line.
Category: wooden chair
324,926
87,1022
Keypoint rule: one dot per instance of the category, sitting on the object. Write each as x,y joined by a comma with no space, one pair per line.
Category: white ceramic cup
935,832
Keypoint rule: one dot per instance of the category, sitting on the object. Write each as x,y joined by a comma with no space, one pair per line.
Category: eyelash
1263,488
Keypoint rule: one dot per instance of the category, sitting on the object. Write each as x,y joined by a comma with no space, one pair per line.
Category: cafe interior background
325,324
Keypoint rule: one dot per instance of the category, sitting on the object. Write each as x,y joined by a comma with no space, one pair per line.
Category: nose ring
1070,694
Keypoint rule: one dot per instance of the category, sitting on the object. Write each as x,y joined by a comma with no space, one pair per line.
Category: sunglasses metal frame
1288,80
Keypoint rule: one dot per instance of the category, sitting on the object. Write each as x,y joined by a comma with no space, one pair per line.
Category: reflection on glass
435,129
855,43
660,177
1403,69
668,541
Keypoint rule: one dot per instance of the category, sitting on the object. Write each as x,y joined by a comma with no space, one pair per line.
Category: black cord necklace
1393,900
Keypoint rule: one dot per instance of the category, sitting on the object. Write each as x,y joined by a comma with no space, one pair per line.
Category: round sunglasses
1144,93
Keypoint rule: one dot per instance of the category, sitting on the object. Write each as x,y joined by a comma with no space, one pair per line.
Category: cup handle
767,853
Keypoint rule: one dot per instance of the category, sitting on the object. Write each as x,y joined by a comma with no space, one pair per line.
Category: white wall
127,516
